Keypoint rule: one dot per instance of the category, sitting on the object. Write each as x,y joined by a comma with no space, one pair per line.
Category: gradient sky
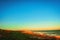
31,15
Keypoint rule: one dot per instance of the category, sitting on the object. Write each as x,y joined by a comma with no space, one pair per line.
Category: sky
31,15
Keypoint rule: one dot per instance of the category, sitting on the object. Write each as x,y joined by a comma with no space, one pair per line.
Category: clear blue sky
30,12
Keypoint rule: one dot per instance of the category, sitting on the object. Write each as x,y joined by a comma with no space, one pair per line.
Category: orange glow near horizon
49,28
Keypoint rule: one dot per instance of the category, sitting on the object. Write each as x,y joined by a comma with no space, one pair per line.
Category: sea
48,32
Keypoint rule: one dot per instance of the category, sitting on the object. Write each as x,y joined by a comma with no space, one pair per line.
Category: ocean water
49,32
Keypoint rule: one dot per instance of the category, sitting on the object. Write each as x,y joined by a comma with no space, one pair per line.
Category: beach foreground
25,35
